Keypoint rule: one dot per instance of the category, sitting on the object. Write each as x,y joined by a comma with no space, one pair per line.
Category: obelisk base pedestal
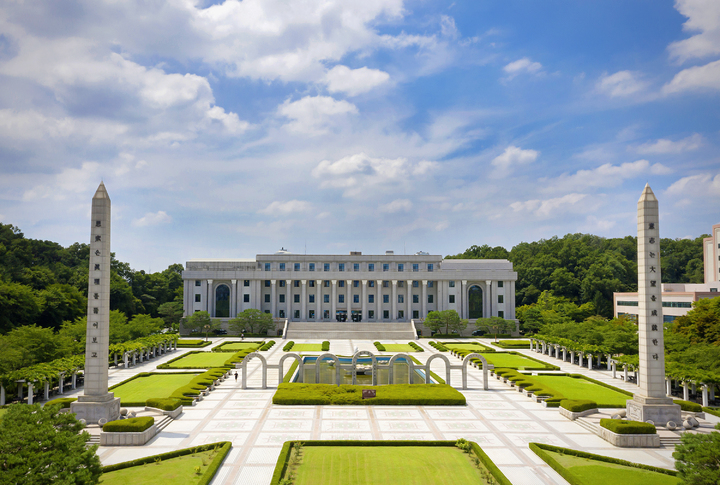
94,408
657,410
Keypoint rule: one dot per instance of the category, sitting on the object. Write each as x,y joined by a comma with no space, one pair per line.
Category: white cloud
354,81
520,66
703,17
607,175
398,205
512,156
313,114
622,83
696,186
152,219
448,27
663,145
697,78
288,207
549,207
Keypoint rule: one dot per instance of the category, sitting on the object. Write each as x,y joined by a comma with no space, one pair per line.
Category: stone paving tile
346,436
484,439
396,413
408,436
349,413
522,441
504,456
264,455
239,414
469,426
290,413
341,426
508,415
274,439
255,475
238,439
287,425
402,426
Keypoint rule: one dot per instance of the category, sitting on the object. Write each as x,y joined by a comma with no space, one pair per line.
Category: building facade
355,287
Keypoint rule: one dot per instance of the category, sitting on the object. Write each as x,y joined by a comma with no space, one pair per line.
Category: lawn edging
187,393
540,450
235,358
188,345
513,344
282,462
223,450
299,394
219,348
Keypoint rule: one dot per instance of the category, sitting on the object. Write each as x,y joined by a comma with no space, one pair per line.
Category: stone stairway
351,330
587,424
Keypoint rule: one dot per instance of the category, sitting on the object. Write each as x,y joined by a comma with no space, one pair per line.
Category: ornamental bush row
325,346
578,405
288,346
193,343
438,346
132,425
166,404
621,426
268,345
713,411
63,401
379,346
416,347
692,407
394,394
513,344
201,382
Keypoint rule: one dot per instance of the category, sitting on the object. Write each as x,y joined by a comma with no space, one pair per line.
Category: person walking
236,376
242,335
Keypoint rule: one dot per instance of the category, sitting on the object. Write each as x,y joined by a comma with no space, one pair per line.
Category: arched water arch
411,368
465,363
447,368
244,369
365,353
338,371
299,360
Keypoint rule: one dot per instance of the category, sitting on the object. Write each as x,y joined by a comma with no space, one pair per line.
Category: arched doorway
222,301
475,301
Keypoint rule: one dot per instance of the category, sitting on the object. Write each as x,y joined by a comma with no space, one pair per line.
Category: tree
59,302
702,323
251,321
452,321
171,312
495,325
433,321
196,321
30,344
18,306
39,445
697,458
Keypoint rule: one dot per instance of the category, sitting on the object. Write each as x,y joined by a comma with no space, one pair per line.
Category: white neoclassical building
354,287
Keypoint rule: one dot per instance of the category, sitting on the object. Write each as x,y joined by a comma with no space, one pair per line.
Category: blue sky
228,129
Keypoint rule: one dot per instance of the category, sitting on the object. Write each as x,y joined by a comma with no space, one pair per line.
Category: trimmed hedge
193,343
187,393
379,346
513,344
540,450
223,448
437,378
325,346
620,426
63,401
416,347
220,348
438,346
543,365
132,425
388,395
713,411
166,404
578,405
288,346
288,375
268,345
480,347
282,463
692,407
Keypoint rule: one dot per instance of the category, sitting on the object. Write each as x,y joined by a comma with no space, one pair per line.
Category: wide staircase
351,330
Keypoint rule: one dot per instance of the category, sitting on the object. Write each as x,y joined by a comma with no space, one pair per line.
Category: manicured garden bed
391,462
471,346
580,468
235,346
177,467
399,348
389,395
513,360
198,360
579,388
306,348
513,344
136,391
193,343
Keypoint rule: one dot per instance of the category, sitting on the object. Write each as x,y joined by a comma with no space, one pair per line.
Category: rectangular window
326,314
267,283
311,267
401,299
371,283
281,298
267,298
296,283
282,266
416,314
401,284
282,283
386,284
281,313
371,314
386,314
326,298
296,267
452,299
356,284
401,314
296,298
311,298
341,283
371,266
311,314
627,303
198,298
312,283
386,267
430,267
371,298
500,299
246,298
500,284
341,298
198,282
430,284
356,266
326,267
267,266
246,282
501,314
326,283
401,267
416,267
451,284
386,298
356,298
416,284
341,266
296,314
416,298
430,298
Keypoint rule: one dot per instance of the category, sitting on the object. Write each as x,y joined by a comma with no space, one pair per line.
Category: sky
226,129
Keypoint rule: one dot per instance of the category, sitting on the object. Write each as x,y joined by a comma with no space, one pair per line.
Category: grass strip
202,361
387,395
193,343
559,387
513,344
307,348
469,346
236,346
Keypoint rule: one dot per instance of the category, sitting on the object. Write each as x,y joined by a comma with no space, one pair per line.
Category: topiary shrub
267,346
63,401
438,346
288,346
578,405
416,347
379,346
325,346
620,426
132,425
166,404
692,407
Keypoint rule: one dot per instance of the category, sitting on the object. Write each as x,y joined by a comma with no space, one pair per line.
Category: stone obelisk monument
650,402
97,403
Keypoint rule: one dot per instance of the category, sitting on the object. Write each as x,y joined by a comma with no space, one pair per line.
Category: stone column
488,285
378,302
303,299
463,299
393,316
273,298
614,370
233,299
61,383
705,400
686,391
348,298
625,373
31,394
288,300
423,300
408,315
210,298
204,303
363,297
333,301
318,300
2,395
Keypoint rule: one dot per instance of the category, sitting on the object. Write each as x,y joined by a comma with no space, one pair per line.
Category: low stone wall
173,414
629,440
127,438
572,416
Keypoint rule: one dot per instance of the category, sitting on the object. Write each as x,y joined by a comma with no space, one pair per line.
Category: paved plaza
501,420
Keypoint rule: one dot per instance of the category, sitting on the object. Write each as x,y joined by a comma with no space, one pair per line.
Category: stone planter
686,414
173,414
629,440
572,416
127,438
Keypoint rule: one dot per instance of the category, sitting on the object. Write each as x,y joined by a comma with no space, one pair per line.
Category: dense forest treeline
587,269
45,284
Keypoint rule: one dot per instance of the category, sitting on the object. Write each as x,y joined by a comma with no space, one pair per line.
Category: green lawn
191,341
156,385
2,411
178,471
513,361
594,472
399,348
294,394
576,388
306,348
201,360
513,344
401,465
235,346
474,347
